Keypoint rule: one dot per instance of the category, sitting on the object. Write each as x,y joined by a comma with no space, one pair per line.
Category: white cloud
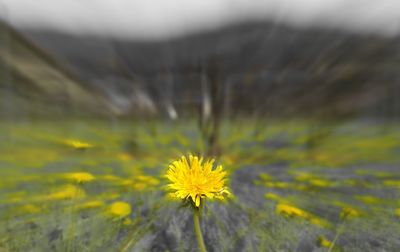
156,18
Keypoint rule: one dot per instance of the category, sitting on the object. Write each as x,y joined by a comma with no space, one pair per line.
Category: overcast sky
163,18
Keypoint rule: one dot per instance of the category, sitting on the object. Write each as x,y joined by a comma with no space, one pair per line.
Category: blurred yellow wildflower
139,186
120,209
144,182
391,183
110,195
349,212
323,242
320,182
80,177
265,176
68,192
196,180
275,197
30,209
318,221
76,144
303,176
127,222
90,205
272,196
397,212
278,184
291,211
367,199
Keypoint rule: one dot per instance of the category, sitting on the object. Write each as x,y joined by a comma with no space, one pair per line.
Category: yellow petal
197,201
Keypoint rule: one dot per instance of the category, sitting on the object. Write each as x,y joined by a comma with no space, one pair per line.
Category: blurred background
297,99
172,59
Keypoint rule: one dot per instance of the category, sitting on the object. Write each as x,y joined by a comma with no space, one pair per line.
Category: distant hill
262,67
33,81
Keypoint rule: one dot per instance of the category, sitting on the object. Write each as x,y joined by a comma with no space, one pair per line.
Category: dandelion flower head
67,192
323,242
196,179
80,177
120,209
76,144
289,210
349,213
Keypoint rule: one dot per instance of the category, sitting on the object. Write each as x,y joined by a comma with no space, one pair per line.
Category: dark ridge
289,70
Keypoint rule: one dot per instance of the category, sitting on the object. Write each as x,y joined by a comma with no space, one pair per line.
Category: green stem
197,230
338,233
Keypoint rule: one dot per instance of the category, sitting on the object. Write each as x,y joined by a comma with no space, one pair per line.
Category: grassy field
298,186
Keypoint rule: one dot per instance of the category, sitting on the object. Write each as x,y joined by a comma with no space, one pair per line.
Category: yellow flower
278,184
80,177
144,183
349,212
31,209
391,183
195,179
319,222
367,199
272,196
68,192
320,182
292,211
90,205
265,177
78,144
120,209
289,210
127,222
275,197
323,242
